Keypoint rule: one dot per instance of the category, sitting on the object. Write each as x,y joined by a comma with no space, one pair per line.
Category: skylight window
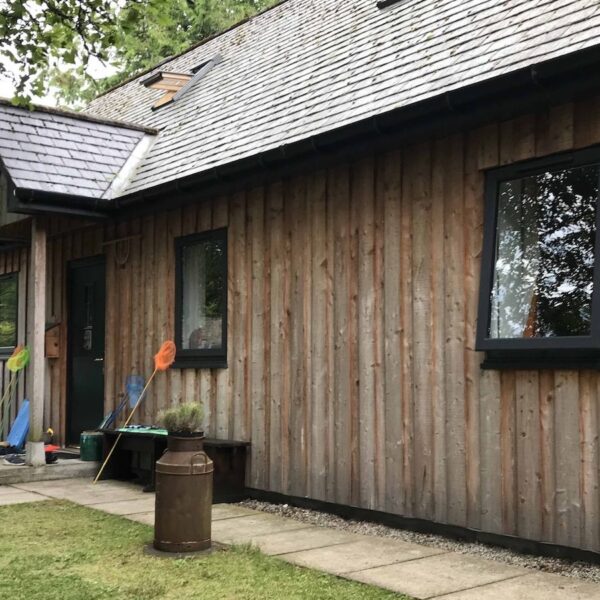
386,3
176,84
170,83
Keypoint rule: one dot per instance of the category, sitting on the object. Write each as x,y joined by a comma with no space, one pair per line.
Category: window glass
8,311
203,295
544,255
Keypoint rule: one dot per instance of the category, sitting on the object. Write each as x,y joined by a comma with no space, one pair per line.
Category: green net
19,359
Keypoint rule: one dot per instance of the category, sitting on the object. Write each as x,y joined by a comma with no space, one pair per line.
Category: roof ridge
190,48
64,112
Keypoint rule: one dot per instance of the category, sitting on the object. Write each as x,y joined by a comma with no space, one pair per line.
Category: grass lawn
60,551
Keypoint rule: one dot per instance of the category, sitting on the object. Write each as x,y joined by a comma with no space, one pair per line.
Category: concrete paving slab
230,511
19,498
126,507
241,530
103,497
55,484
8,489
79,483
365,553
85,495
535,586
146,517
69,489
438,575
312,537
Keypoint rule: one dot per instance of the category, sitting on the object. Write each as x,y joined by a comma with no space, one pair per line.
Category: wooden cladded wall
14,261
352,312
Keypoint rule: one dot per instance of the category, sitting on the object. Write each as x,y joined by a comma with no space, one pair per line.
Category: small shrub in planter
184,420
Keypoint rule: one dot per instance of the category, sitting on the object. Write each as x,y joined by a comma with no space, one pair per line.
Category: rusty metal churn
184,485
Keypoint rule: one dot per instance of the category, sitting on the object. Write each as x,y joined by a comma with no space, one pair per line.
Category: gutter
27,201
502,97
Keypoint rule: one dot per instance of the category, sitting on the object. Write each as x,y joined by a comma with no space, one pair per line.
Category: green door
85,395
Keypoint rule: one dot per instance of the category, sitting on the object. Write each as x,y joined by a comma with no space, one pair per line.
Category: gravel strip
579,570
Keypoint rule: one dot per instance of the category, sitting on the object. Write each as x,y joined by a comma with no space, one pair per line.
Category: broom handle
114,446
8,389
6,395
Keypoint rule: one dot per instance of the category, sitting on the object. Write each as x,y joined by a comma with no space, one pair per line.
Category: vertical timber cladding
352,312
14,261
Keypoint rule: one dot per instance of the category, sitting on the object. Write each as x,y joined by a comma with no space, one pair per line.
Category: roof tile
316,65
53,152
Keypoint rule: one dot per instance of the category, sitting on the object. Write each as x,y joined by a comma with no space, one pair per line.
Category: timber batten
352,306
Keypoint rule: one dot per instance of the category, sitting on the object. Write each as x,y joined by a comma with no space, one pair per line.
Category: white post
37,341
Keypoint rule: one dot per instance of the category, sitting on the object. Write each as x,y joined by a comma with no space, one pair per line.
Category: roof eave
501,97
29,201
81,116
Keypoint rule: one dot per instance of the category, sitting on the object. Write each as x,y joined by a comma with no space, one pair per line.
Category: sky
97,69
7,88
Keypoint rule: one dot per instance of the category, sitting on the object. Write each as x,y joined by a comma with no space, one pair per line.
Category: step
63,469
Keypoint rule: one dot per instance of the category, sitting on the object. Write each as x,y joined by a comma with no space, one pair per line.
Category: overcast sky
97,69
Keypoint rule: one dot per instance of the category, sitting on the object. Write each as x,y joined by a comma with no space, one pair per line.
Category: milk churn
184,485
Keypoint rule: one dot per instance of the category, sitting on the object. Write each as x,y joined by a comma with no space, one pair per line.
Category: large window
201,301
539,269
8,312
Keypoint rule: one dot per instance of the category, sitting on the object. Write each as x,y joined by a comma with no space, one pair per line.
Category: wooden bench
139,449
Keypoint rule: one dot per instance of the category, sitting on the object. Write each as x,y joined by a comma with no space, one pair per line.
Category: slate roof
57,151
306,67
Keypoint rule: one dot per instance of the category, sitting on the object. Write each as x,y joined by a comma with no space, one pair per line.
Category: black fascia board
27,201
32,202
527,89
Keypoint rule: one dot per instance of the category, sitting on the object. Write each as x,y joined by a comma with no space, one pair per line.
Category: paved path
419,571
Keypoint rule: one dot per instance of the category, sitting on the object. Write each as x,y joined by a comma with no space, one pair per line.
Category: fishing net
19,359
164,358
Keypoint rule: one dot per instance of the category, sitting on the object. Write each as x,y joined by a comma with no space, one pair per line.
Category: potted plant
184,481
184,420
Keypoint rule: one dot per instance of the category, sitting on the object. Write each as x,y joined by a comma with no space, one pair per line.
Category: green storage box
90,446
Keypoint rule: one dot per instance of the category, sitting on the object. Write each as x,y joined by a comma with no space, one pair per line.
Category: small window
201,300
538,282
8,312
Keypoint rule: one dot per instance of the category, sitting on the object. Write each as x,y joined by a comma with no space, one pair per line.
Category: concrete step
63,469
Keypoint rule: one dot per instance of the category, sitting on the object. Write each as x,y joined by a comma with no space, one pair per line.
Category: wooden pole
125,425
38,327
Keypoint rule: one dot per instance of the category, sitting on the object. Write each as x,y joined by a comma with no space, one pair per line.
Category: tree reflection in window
544,255
203,303
8,311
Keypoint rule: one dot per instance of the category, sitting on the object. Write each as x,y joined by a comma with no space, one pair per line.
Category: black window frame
210,358
8,350
555,352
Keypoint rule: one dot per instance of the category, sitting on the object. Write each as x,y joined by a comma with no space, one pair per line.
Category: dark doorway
85,387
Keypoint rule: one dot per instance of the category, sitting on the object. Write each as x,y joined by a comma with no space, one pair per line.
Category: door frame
88,261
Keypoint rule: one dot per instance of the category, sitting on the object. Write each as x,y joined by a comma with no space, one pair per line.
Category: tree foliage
37,35
54,42
545,254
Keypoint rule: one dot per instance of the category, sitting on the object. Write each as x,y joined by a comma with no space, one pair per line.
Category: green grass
60,551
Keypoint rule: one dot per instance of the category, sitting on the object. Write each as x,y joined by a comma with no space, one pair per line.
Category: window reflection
203,288
544,261
8,311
